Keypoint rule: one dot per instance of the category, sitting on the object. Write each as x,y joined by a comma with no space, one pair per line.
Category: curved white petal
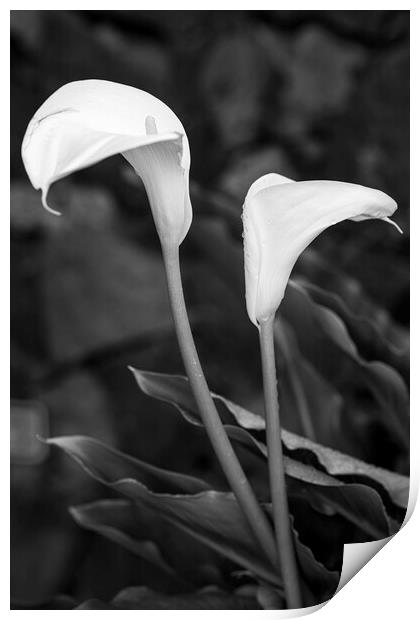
267,180
281,219
85,122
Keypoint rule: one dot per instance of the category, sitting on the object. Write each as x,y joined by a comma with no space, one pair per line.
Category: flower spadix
85,122
281,218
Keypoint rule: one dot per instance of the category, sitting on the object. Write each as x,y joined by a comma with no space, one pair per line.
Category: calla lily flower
85,122
281,218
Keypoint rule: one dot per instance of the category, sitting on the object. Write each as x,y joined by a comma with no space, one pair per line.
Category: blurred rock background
308,94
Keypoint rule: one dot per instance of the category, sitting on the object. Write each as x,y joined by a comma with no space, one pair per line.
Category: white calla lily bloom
85,122
281,218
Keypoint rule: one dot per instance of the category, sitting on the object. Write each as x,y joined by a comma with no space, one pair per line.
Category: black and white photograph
209,305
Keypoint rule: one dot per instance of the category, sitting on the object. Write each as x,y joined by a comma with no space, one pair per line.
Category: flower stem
234,473
285,547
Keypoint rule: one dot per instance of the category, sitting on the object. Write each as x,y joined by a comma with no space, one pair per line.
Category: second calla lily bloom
85,122
282,217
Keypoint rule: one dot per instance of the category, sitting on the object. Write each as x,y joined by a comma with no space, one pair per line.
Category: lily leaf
114,519
175,390
360,504
162,544
145,533
346,467
367,492
373,329
324,339
122,472
373,342
211,517
317,575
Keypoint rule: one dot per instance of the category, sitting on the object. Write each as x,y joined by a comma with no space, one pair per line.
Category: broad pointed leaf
123,472
175,390
145,533
214,518
371,336
325,341
373,329
118,520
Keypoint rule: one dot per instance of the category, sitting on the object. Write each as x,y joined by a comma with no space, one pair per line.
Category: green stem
285,547
234,473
